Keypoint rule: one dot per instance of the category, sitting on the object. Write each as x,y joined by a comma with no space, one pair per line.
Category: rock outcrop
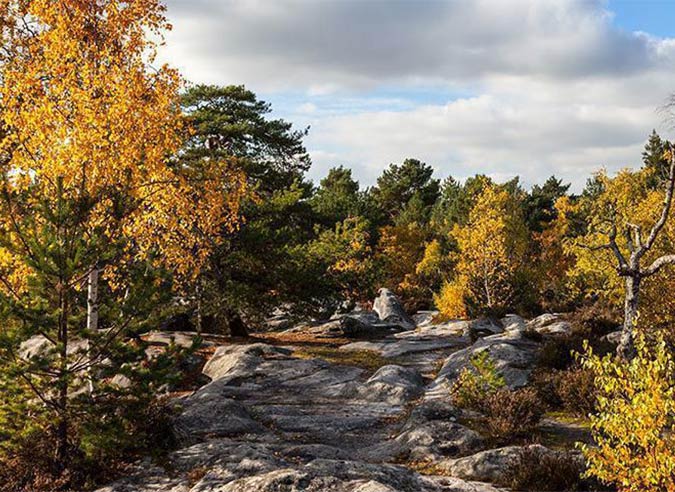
272,419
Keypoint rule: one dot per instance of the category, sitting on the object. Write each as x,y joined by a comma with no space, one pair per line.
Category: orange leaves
81,106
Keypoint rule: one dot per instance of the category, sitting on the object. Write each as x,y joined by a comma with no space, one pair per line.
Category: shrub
633,427
510,414
450,301
576,390
558,352
476,382
539,469
594,320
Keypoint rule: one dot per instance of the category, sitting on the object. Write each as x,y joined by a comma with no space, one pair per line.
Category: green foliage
477,382
399,184
60,379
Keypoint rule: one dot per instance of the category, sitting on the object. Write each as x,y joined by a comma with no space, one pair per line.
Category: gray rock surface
272,419
390,310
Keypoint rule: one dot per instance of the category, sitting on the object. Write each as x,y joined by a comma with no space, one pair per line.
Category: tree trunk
62,421
92,315
236,325
92,299
626,348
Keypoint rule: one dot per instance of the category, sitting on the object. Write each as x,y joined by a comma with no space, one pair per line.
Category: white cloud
554,86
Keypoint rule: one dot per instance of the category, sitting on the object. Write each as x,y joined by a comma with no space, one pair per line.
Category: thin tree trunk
92,314
626,348
92,299
200,320
62,424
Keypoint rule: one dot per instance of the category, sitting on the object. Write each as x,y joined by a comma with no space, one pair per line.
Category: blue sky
652,16
501,87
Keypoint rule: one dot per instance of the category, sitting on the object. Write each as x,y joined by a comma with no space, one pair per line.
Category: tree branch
667,203
657,265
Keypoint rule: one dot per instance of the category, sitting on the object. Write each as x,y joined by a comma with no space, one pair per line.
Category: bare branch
657,265
667,203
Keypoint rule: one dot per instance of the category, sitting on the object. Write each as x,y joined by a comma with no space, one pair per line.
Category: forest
135,205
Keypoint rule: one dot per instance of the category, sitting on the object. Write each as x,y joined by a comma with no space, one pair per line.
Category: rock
241,359
389,309
514,356
542,320
148,478
208,414
438,439
424,318
484,327
38,345
398,347
373,486
558,328
492,465
486,466
393,384
549,324
513,323
180,338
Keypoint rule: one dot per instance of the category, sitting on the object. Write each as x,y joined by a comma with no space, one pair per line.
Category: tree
654,158
625,212
398,184
259,266
540,203
337,197
492,248
88,131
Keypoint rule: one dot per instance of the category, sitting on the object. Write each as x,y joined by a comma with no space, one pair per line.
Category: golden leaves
82,106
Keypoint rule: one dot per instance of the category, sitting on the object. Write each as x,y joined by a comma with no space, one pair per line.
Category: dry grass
366,359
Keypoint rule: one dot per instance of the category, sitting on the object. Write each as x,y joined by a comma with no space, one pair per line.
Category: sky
499,87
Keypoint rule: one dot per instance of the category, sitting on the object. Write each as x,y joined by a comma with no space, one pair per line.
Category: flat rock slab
271,421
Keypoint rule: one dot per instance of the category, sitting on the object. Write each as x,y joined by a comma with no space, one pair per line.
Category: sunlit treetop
82,105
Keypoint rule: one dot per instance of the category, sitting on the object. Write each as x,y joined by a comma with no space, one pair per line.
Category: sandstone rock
240,359
438,439
183,339
424,318
393,384
514,356
208,414
484,327
390,310
486,466
492,465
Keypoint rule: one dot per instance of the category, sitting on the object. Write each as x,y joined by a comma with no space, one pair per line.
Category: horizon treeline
466,248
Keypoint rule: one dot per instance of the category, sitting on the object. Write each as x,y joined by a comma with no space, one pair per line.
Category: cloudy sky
501,87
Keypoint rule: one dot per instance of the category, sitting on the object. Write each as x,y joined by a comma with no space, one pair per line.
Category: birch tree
89,128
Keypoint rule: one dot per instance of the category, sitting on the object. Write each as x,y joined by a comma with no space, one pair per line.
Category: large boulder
513,353
492,465
390,310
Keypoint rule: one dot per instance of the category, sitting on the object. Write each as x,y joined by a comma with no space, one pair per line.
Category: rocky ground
358,404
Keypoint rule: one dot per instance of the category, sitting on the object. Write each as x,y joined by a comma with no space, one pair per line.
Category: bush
594,320
476,382
510,414
632,429
539,469
558,352
577,391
